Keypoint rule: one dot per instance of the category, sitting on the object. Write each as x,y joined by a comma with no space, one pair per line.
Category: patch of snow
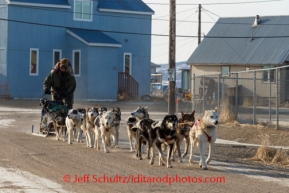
6,122
15,180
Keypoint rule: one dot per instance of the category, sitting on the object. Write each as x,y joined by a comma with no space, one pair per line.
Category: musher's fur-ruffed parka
61,82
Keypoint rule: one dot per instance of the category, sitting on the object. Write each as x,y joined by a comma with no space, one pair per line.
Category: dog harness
208,136
88,121
166,137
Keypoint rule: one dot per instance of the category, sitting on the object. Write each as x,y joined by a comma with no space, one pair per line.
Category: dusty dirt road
76,168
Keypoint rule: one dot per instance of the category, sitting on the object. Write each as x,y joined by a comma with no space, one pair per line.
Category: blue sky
187,18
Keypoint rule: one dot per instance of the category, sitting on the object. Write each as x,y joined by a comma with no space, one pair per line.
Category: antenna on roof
257,21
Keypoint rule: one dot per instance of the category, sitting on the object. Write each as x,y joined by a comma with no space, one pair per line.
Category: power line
135,33
210,12
157,19
229,3
177,12
101,15
181,21
241,2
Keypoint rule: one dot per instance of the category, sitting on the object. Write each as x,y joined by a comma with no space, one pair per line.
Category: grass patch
226,114
270,155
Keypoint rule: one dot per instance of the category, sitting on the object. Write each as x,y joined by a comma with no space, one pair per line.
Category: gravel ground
53,160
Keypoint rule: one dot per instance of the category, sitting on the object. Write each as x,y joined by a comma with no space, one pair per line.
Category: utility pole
172,62
199,28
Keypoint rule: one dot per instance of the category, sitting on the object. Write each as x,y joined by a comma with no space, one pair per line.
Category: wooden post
199,28
172,62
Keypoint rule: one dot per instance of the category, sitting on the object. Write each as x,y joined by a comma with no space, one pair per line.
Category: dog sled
50,110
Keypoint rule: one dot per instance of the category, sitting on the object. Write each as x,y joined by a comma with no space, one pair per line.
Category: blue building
101,38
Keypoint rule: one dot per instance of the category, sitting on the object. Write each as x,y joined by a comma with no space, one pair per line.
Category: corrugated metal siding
102,72
82,81
49,32
49,2
43,38
260,51
3,43
128,5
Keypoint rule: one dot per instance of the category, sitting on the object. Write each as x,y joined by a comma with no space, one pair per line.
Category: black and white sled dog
73,121
164,133
58,121
143,129
106,127
90,130
137,115
116,124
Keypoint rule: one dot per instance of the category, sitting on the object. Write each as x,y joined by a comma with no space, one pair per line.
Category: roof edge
92,44
39,5
125,11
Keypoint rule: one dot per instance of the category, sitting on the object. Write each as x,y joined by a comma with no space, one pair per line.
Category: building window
269,74
83,10
57,55
76,62
225,70
127,63
34,57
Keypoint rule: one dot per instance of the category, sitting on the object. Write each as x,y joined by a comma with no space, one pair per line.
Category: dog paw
173,159
140,158
151,163
204,168
191,161
148,157
208,161
116,146
106,151
183,155
169,166
181,160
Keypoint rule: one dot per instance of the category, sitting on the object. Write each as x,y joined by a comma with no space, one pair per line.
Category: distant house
156,79
154,68
101,38
245,43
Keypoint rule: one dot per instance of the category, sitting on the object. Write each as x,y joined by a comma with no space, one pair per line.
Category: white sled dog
202,133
